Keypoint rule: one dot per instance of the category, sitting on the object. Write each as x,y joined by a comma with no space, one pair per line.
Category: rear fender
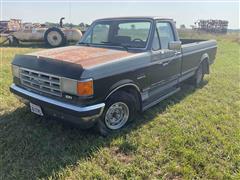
205,61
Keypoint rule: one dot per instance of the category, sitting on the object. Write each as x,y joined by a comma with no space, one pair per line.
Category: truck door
166,63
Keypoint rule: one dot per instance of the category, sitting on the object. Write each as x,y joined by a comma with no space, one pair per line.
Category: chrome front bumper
83,112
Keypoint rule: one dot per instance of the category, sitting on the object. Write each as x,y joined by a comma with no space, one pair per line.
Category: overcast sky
183,12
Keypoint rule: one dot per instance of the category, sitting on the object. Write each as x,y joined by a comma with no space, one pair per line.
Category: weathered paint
84,56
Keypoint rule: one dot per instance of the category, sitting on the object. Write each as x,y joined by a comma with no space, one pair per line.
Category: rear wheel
197,79
119,111
54,37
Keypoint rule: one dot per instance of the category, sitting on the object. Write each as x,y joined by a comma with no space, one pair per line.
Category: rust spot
85,56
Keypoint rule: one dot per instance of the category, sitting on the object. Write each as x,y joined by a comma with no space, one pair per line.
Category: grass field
194,134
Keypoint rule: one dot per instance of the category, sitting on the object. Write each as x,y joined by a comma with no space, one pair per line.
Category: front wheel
119,110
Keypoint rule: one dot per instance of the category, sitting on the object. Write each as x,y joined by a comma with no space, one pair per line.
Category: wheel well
205,66
131,90
13,40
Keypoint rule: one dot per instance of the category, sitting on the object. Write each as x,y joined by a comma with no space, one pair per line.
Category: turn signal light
85,88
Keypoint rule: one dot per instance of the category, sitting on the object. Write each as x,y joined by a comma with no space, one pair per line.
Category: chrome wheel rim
117,115
54,38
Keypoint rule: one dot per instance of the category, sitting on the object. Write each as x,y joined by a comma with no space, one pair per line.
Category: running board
161,98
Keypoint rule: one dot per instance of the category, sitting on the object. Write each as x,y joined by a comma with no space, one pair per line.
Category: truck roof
136,17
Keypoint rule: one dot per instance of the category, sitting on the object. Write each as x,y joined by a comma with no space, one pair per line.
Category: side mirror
175,45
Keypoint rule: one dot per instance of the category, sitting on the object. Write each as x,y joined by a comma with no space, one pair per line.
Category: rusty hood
81,55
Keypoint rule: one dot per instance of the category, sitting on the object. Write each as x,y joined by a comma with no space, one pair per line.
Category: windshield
124,33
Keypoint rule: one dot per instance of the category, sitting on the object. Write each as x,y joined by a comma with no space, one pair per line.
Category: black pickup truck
120,66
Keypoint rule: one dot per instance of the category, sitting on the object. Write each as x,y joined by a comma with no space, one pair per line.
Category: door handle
177,53
165,63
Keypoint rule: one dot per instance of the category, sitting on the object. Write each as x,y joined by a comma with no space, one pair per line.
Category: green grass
194,134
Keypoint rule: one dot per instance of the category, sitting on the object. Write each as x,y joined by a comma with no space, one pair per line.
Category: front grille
41,82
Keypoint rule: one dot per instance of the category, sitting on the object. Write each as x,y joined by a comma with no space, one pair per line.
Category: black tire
197,79
122,98
13,41
54,37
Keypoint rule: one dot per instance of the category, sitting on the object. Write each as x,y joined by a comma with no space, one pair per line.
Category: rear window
135,30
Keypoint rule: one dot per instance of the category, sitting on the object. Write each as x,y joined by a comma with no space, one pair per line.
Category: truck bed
193,52
189,41
197,47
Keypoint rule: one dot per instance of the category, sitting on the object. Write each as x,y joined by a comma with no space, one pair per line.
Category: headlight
15,71
69,86
80,88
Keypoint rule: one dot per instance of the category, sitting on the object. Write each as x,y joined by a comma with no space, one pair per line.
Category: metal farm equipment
52,36
213,26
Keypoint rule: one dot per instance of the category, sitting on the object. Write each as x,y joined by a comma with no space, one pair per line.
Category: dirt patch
121,156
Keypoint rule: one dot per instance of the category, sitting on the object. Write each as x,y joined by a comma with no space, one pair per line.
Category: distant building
214,26
182,26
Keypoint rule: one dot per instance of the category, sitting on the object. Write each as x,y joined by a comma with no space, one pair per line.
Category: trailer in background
17,32
213,26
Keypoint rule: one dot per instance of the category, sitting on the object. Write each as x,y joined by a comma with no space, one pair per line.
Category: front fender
121,84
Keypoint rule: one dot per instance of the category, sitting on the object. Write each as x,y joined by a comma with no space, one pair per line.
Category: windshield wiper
115,44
